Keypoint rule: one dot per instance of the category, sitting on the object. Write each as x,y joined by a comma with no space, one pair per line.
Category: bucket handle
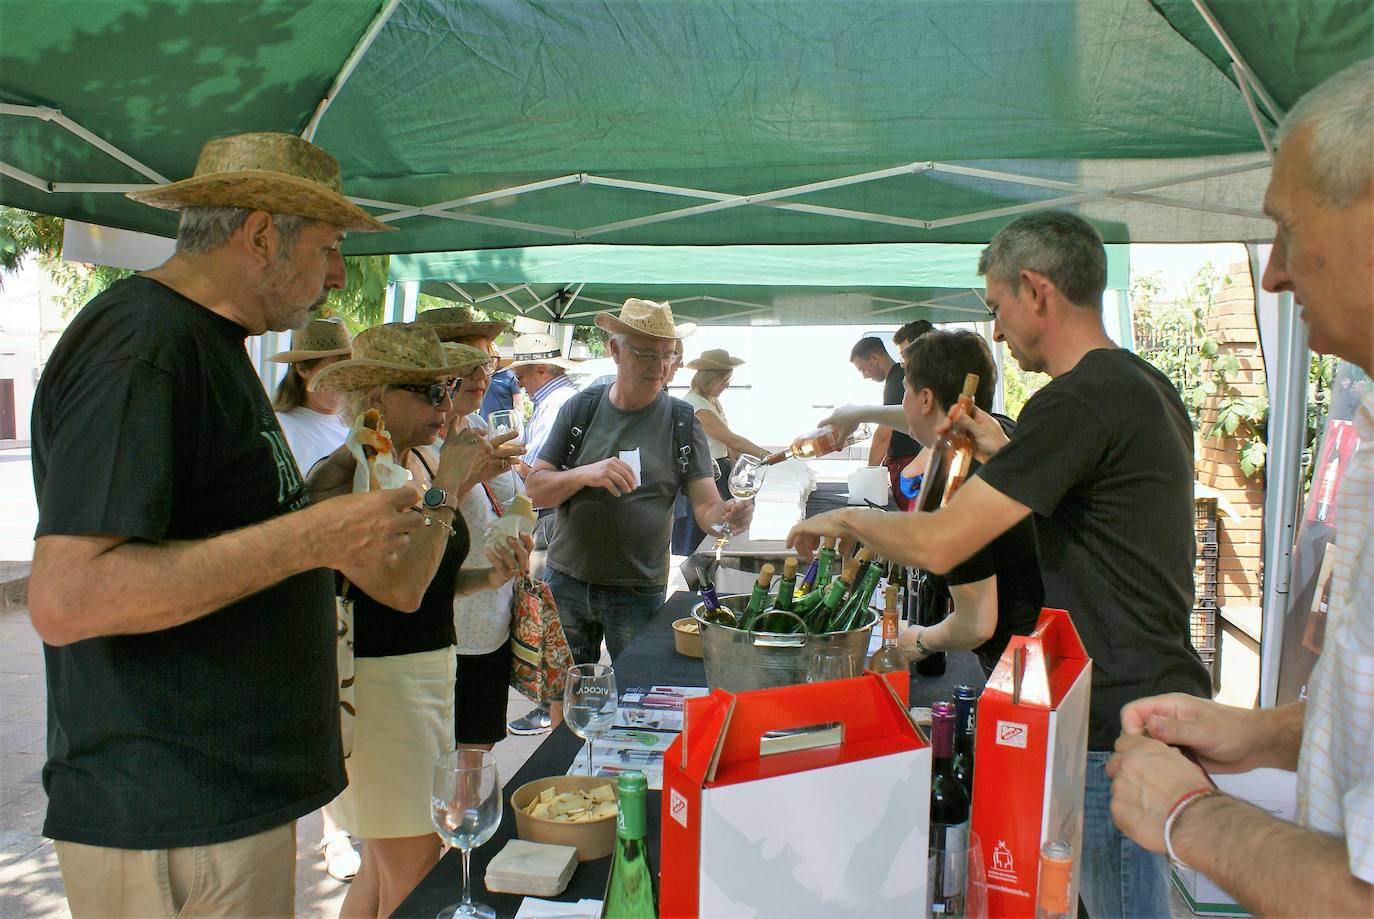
774,640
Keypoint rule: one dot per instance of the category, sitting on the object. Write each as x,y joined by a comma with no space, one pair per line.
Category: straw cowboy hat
644,317
396,353
536,348
317,338
266,171
454,322
715,359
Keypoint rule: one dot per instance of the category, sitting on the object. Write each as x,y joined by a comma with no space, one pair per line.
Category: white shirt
482,619
311,435
700,403
1336,765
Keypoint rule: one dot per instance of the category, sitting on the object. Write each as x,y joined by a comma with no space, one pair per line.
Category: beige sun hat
268,171
715,359
453,322
398,352
317,338
537,348
645,317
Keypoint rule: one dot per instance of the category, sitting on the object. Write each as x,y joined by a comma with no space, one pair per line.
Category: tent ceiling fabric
921,120
723,285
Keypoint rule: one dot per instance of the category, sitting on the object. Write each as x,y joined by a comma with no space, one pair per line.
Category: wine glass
746,478
831,664
465,805
956,880
503,422
590,702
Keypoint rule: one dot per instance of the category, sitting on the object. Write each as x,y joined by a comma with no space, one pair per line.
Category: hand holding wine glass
590,702
746,478
466,809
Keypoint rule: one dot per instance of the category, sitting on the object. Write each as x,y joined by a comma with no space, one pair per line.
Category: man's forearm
134,588
1271,867
907,539
1283,729
549,488
877,451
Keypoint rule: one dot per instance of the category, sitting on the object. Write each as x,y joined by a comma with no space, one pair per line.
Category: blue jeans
589,611
1118,877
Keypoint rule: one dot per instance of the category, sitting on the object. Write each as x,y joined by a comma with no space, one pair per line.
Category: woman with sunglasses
403,636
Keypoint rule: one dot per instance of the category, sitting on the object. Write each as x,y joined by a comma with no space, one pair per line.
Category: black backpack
584,406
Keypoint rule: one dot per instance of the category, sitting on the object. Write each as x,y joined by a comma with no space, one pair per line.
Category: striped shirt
1336,765
547,401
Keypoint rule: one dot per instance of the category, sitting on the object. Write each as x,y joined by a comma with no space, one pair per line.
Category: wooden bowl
593,839
687,637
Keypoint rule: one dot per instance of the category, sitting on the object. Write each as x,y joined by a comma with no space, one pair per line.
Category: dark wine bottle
949,819
965,723
932,606
630,885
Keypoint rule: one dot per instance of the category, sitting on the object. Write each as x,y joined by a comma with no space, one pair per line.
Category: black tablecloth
650,659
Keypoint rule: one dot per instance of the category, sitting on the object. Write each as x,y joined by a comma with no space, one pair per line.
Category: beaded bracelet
430,520
1182,804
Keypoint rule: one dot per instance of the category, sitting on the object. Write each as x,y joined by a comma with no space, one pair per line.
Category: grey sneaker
537,721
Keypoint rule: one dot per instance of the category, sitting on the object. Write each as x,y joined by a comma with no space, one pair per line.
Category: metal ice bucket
738,660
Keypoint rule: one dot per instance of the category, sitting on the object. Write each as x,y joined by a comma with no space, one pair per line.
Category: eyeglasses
476,372
662,357
434,393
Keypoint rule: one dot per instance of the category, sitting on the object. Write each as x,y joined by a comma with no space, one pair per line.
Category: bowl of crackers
568,810
687,637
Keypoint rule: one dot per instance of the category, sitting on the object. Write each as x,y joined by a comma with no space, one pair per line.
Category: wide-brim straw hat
454,322
265,171
645,317
536,348
317,338
396,353
715,359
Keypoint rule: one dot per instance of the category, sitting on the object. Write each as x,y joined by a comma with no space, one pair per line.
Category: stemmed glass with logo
590,701
746,478
465,806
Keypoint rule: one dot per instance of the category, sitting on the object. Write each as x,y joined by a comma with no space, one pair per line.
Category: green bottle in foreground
758,600
630,886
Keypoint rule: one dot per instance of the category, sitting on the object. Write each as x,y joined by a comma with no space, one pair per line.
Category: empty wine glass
746,478
831,664
590,702
503,422
465,805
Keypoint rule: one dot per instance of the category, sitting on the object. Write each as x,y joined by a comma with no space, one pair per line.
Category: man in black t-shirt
1103,456
892,446
997,592
180,582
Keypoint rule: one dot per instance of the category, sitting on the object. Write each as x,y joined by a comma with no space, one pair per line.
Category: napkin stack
781,502
535,868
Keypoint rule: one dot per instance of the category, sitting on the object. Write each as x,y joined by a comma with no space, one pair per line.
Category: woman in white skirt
403,637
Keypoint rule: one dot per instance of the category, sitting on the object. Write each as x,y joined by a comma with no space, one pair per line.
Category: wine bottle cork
850,571
970,385
766,575
890,598
789,567
865,554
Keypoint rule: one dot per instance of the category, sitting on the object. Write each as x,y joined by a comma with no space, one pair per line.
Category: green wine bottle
630,885
825,560
817,621
787,585
758,600
855,612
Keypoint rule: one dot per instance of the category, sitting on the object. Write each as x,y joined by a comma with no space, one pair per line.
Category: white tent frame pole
349,66
462,293
44,113
435,210
1235,54
1244,85
505,294
1287,430
28,178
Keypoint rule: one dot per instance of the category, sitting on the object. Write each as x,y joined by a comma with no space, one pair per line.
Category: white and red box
1030,758
807,800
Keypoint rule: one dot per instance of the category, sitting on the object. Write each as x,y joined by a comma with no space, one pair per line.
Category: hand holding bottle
805,536
987,435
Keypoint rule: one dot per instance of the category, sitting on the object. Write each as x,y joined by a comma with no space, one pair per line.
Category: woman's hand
508,561
332,476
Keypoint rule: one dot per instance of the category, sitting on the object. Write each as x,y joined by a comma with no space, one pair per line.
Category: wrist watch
436,498
921,645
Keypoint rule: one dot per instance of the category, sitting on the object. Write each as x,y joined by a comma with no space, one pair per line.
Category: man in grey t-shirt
608,561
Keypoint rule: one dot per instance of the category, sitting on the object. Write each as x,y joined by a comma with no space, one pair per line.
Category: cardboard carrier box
808,800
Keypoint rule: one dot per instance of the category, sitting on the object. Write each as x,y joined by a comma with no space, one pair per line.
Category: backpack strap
683,416
584,409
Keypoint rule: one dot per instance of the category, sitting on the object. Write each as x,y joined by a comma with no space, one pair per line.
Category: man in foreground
181,579
1321,196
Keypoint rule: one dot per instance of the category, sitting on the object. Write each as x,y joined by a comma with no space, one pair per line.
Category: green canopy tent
513,123
722,285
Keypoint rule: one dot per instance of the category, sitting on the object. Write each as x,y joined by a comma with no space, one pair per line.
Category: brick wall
1232,326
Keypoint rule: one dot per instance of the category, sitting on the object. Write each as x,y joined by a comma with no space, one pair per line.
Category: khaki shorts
253,876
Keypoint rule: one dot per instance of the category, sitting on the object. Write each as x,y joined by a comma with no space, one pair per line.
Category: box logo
1012,734
677,807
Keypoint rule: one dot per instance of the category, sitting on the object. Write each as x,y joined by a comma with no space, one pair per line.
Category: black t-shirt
150,423
1103,455
894,388
1011,558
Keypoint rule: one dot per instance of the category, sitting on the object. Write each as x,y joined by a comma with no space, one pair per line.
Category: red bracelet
1179,807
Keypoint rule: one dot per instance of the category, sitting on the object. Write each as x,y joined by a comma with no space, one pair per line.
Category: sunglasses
480,370
434,393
